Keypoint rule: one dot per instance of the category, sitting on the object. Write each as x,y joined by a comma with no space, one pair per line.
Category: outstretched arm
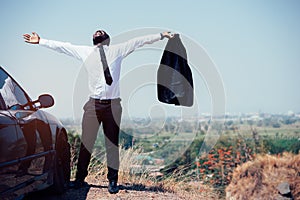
32,39
76,51
128,47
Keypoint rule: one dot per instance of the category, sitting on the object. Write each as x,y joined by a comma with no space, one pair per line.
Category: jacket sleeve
124,49
76,51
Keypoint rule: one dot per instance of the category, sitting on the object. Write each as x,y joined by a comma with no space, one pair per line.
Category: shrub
260,178
280,144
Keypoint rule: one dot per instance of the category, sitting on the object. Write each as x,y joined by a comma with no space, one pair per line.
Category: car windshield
11,93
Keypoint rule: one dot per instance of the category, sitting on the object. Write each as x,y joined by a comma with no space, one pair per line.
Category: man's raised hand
168,35
32,39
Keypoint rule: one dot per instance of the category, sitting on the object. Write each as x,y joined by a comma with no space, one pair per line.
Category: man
103,63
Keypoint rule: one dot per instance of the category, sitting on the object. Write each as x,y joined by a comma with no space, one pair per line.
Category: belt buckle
104,101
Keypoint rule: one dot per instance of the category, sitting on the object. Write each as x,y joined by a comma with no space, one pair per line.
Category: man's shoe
77,184
113,187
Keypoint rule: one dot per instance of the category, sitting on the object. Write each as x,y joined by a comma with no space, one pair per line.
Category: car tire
62,170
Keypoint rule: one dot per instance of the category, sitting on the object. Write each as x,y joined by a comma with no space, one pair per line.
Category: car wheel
62,170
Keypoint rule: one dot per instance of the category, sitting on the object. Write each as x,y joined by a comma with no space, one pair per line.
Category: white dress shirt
90,57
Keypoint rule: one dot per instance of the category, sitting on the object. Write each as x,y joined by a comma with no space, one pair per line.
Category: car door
8,156
9,143
28,147
34,143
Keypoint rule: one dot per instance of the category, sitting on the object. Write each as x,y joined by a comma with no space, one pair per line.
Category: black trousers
95,113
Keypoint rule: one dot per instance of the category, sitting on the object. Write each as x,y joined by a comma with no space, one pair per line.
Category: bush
260,178
279,145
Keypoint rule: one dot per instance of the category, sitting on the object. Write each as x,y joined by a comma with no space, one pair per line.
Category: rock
284,188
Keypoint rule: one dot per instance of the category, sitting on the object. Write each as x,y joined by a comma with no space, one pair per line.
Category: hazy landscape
197,157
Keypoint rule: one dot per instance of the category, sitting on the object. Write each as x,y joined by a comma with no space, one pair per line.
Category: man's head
101,37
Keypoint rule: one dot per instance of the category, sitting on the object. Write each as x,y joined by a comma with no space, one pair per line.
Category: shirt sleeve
128,47
76,51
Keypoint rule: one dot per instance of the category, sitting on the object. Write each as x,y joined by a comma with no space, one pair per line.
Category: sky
254,45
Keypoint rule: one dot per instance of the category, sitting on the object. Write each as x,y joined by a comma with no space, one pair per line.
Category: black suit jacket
174,76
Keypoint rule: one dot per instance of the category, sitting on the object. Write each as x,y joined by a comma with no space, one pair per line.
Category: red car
34,148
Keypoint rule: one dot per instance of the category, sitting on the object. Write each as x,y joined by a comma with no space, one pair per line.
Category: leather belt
105,101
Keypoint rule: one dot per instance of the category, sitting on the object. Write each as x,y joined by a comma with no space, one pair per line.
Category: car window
11,94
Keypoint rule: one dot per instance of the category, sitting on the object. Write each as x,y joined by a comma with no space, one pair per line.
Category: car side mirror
45,100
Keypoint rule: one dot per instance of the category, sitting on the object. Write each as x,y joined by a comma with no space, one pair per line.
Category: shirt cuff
42,42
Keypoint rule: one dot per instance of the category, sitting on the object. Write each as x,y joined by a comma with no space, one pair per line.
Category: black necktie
106,71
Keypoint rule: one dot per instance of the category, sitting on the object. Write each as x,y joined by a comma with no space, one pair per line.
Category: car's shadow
76,194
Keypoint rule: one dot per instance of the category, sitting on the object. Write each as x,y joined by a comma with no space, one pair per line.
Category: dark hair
104,39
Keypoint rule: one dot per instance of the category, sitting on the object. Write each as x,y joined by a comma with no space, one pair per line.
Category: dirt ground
98,191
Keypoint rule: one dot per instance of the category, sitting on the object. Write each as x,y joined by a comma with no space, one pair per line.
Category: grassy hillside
190,174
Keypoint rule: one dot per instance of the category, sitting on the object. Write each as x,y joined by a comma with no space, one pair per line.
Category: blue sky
254,44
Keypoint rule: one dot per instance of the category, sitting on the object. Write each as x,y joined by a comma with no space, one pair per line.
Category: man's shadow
82,193
134,187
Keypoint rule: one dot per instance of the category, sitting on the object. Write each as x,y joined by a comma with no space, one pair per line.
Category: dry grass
188,189
184,189
259,179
